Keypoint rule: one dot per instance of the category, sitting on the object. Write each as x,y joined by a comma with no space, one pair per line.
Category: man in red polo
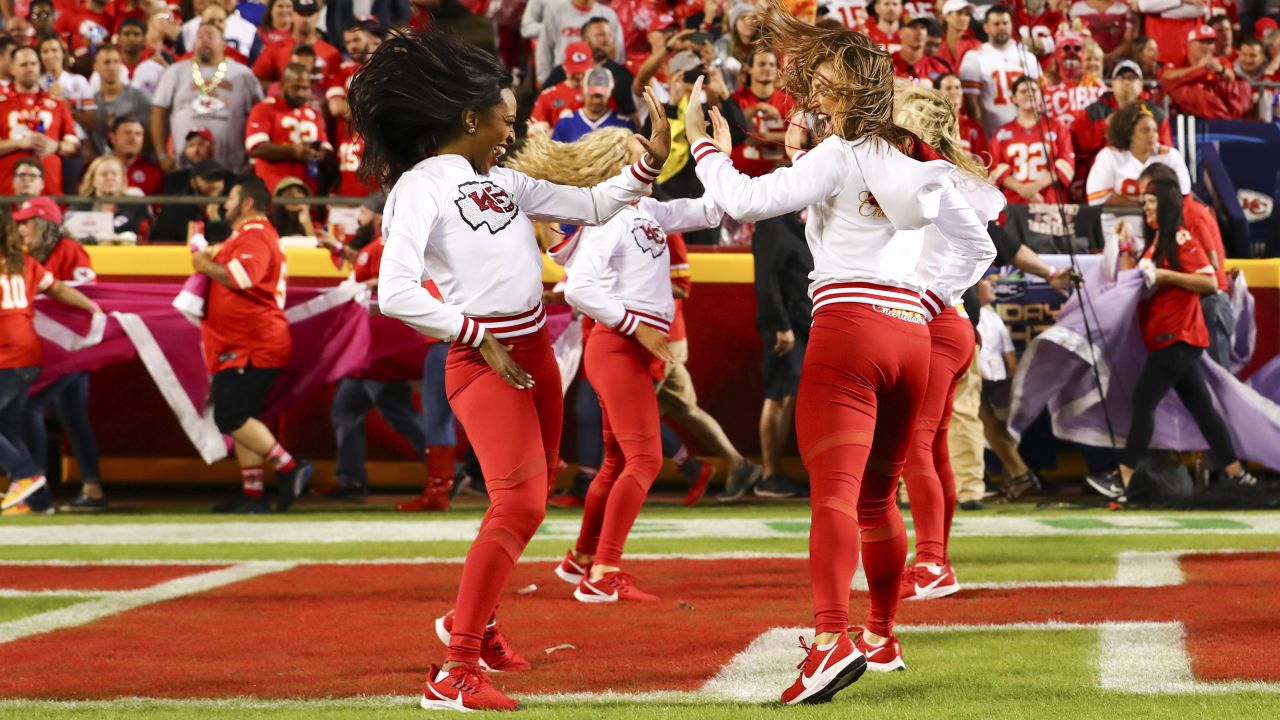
247,343
566,98
910,62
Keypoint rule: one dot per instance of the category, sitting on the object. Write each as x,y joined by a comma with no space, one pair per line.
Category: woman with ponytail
436,113
619,275
930,483
1173,329
868,184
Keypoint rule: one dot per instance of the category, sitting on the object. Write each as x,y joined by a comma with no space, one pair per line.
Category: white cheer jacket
619,274
861,196
471,234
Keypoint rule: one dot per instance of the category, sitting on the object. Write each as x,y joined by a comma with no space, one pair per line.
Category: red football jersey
926,68
963,46
368,260
1173,315
974,140
350,152
276,122
70,263
1203,225
271,61
145,175
757,160
556,102
1064,100
680,278
274,37
1030,153
19,344
340,79
81,28
886,41
247,324
24,113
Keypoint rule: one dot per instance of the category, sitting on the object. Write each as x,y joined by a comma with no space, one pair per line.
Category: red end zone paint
367,629
93,577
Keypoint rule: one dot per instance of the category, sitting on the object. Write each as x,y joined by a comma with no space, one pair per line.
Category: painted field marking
1136,657
106,604
313,532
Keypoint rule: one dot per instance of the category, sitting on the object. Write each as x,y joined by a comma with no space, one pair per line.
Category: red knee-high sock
597,500
280,459
884,552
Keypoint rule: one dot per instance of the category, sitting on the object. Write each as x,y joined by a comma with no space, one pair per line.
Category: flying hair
863,87
586,162
927,114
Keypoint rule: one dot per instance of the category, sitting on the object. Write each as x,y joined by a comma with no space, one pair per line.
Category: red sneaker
919,582
880,658
465,688
496,653
570,571
823,673
699,486
434,498
613,587
567,501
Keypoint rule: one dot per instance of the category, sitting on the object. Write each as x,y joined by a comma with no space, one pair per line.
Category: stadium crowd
1065,103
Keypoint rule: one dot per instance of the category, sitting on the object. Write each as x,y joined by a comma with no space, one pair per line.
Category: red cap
1263,26
1201,34
577,57
662,21
39,207
203,132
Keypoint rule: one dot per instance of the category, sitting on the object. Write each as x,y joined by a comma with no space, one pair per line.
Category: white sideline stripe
87,612
312,532
422,560
673,697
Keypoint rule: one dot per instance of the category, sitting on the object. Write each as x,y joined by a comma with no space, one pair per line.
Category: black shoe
1107,484
356,494
778,485
740,481
84,503
293,484
242,504
1020,486
973,505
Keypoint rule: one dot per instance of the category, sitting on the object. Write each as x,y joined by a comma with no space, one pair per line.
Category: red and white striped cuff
631,322
799,154
471,333
642,171
703,149
932,303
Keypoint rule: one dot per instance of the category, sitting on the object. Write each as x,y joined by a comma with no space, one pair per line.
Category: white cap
951,6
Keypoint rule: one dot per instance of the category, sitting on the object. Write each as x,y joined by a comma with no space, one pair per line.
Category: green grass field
971,672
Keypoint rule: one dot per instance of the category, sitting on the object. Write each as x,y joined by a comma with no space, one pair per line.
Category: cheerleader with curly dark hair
436,114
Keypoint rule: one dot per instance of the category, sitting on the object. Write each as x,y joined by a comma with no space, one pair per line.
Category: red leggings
618,368
861,386
930,483
516,437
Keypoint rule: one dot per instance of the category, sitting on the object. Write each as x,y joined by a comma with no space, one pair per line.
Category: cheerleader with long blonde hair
868,185
619,274
930,481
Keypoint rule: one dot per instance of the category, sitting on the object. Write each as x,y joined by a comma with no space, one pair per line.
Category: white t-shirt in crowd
996,341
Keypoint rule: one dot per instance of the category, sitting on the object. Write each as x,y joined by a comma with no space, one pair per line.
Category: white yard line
106,605
312,532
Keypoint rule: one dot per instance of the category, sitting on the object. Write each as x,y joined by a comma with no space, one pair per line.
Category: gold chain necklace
207,87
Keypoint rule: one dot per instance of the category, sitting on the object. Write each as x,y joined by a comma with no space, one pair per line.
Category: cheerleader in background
930,483
619,274
435,113
866,370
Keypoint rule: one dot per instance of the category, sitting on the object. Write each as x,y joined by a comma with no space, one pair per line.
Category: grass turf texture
955,676
995,674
